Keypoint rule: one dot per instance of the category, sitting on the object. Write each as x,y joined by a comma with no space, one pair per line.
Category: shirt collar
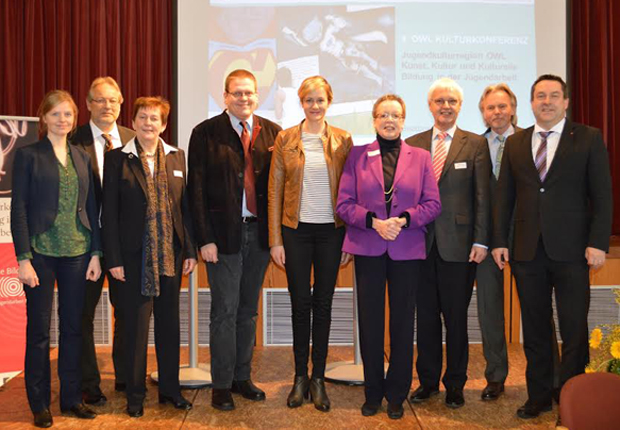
130,148
450,131
235,121
556,128
491,135
97,131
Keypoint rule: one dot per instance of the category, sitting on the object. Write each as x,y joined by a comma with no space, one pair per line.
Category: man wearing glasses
455,242
229,159
100,135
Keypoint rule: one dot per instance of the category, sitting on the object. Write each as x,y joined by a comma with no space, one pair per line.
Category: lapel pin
130,155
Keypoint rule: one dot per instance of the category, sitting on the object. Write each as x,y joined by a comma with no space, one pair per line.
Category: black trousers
308,246
536,280
403,278
69,273
91,378
137,310
446,291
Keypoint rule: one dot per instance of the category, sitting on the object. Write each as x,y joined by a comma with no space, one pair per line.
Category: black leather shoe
43,419
222,399
135,411
94,399
81,411
395,411
370,409
422,394
179,402
120,386
248,390
299,392
319,394
532,409
454,398
492,391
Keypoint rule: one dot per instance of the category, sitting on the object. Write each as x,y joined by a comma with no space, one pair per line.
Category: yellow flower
615,349
595,338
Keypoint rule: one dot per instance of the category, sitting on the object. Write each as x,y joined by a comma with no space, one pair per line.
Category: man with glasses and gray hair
100,135
455,242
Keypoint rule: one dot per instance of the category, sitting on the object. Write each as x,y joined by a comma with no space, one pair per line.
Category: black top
390,149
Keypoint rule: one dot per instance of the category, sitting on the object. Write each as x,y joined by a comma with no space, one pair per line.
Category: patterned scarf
157,252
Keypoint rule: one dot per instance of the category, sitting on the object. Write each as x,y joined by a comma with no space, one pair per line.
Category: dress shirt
553,140
494,143
100,144
239,129
447,141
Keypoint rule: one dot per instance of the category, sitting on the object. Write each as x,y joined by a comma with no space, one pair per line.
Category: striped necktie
248,176
541,155
439,157
498,157
108,142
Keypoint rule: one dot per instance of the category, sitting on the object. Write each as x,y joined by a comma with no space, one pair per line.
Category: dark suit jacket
464,192
125,201
34,204
216,166
83,137
571,209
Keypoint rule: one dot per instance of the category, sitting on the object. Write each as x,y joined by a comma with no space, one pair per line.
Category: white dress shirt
239,129
553,140
99,143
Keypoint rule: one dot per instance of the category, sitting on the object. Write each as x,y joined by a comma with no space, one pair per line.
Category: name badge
178,173
461,165
375,152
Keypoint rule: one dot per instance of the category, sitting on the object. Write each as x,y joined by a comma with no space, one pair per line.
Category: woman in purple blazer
387,195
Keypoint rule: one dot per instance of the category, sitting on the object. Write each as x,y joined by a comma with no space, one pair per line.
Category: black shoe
299,392
135,411
179,402
422,394
319,395
222,399
492,391
395,411
454,398
120,386
248,390
43,419
532,409
370,409
94,399
81,411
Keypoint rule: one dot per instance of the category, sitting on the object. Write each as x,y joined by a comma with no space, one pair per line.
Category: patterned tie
541,155
108,142
498,158
439,157
248,177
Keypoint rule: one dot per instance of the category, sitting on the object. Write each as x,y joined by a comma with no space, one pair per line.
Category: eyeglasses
441,102
239,94
394,116
102,101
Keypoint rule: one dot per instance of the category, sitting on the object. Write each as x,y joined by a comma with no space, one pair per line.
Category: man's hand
477,254
277,255
595,257
345,257
500,255
209,253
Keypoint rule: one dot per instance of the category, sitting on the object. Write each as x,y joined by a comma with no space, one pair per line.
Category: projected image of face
497,111
445,105
241,99
315,105
548,104
389,120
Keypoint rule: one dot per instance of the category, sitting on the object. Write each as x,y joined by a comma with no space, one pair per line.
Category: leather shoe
299,392
492,391
422,394
319,394
222,399
532,409
248,390
135,411
454,398
370,409
81,411
120,386
94,399
179,402
395,411
43,419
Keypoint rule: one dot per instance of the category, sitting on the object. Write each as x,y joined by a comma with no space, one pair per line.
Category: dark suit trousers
403,278
69,273
446,290
137,310
535,282
318,246
236,281
91,379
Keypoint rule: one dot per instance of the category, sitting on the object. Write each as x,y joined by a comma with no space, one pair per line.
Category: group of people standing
415,214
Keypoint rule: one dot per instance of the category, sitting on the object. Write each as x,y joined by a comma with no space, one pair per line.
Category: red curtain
595,89
65,44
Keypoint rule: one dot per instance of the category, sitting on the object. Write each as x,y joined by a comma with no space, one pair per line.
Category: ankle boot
299,392
319,395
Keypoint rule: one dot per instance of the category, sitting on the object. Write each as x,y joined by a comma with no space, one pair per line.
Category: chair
591,401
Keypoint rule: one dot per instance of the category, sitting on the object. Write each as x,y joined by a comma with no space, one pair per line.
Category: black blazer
34,204
571,209
464,192
124,203
216,166
83,137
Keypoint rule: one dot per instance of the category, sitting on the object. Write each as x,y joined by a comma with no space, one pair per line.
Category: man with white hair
455,242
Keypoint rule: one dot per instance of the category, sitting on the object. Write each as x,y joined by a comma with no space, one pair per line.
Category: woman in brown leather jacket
304,230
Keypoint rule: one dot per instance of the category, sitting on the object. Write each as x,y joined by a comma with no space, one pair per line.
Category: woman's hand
278,256
188,265
27,275
118,273
345,257
388,229
93,272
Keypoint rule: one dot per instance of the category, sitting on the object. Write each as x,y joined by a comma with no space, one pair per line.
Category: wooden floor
273,371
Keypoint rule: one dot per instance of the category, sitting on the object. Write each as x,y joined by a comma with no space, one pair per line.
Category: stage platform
273,372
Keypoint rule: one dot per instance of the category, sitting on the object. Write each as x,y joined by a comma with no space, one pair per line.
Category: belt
248,219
